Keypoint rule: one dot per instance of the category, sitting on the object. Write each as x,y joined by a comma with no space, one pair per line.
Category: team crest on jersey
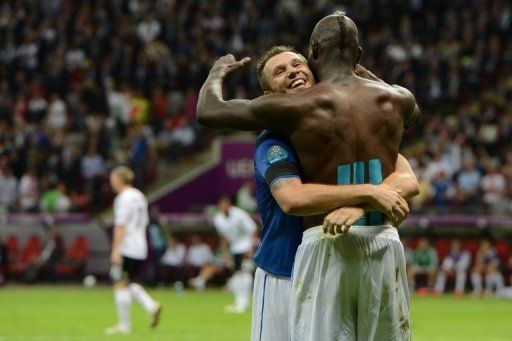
276,153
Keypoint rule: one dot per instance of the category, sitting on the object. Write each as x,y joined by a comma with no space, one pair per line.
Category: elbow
294,205
413,187
203,116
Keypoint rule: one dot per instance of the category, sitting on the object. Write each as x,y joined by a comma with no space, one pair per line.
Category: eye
279,72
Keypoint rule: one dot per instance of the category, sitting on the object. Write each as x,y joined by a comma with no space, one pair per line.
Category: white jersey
238,229
131,212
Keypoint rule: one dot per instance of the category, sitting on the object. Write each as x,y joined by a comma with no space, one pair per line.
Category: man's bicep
280,111
284,182
234,114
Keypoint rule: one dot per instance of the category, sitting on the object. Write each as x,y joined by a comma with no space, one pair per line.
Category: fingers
236,66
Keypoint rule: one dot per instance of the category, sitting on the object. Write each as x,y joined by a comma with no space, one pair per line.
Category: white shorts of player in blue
270,307
350,287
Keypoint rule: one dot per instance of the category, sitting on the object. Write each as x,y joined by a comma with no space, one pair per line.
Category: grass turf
75,313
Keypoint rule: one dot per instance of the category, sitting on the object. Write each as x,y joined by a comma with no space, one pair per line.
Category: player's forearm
404,179
117,238
312,199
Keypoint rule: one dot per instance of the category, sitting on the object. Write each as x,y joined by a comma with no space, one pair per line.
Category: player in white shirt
129,250
456,263
199,253
237,227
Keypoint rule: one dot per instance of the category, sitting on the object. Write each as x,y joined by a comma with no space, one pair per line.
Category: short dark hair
262,61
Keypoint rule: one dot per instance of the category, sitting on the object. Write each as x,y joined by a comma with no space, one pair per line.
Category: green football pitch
76,313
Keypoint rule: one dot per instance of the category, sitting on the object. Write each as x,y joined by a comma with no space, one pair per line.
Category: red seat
210,241
28,256
75,258
503,249
471,244
442,246
12,246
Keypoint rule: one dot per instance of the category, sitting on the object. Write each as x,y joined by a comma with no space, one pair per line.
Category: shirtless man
345,129
283,199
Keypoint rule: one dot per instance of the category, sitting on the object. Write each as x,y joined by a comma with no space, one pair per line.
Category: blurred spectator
425,262
55,200
198,254
173,260
93,169
486,265
494,189
245,197
456,263
443,191
181,139
8,188
157,244
468,183
219,266
28,191
57,114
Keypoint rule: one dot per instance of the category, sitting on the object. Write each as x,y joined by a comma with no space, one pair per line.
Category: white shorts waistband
386,231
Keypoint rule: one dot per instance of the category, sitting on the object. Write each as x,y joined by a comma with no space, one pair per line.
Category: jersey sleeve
275,159
122,212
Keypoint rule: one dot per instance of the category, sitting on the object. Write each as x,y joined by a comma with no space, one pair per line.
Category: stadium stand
87,85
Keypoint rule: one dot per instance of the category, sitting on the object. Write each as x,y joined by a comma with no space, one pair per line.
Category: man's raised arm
274,111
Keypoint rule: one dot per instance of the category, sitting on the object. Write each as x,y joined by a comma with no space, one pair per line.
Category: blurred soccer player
348,129
425,262
129,250
487,263
283,199
456,263
238,229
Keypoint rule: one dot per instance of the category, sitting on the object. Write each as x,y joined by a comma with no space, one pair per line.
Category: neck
124,187
334,69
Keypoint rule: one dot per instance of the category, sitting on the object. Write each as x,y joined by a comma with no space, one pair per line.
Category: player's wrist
368,193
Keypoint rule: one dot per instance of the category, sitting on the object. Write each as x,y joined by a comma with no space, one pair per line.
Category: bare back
352,136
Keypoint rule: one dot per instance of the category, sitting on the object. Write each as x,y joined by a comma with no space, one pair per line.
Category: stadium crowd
85,85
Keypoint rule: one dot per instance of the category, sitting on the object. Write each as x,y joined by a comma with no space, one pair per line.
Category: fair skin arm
297,198
115,256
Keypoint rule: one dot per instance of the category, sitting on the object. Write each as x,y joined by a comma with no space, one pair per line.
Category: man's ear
359,54
314,50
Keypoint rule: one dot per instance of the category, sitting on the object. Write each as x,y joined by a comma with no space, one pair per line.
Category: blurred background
89,85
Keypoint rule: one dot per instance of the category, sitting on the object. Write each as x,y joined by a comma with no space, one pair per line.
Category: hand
387,199
340,220
115,258
228,64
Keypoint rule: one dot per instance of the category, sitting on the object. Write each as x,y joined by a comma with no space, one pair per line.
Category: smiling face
288,72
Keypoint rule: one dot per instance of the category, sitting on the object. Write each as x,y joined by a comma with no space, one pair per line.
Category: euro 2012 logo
276,153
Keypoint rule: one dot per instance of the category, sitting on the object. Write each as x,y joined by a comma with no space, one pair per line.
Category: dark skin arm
273,111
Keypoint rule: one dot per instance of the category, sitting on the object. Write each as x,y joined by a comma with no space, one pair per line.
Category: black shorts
237,259
131,268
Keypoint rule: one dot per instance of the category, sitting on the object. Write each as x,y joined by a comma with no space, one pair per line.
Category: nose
292,73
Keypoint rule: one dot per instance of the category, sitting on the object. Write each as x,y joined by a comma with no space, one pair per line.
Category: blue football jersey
282,233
